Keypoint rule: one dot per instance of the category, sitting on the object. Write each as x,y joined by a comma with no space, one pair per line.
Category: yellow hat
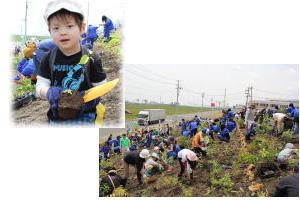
28,52
29,49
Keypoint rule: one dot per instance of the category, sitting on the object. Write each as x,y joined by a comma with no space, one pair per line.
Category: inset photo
204,131
66,64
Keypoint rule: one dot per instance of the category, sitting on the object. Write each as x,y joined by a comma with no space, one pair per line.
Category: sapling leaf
68,91
83,60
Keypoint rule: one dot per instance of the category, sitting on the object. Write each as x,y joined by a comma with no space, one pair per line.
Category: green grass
18,38
170,109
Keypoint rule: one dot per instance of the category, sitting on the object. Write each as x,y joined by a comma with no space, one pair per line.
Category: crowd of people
152,151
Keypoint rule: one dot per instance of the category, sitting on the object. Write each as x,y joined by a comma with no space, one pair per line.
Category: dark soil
69,104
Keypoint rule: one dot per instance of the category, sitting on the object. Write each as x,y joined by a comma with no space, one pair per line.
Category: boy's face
65,33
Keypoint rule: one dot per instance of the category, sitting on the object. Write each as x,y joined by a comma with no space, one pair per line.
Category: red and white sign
212,104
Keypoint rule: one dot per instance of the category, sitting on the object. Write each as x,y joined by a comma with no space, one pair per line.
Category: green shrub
247,158
23,88
105,163
241,123
187,192
185,141
287,137
267,155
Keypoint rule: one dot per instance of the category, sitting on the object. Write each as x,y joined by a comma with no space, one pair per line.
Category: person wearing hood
286,154
136,159
187,160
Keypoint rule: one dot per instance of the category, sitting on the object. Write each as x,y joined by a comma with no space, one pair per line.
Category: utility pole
178,88
202,95
251,99
225,98
25,34
247,96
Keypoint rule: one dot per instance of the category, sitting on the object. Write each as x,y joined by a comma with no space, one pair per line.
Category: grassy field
170,109
18,38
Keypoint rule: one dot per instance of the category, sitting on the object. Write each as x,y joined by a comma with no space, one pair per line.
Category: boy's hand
89,105
53,95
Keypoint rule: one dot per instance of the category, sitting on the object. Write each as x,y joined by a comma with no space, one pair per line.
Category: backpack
86,68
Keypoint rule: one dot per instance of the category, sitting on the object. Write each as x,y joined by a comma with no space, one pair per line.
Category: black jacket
133,158
288,187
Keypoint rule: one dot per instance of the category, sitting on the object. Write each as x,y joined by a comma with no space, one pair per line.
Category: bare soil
34,113
225,154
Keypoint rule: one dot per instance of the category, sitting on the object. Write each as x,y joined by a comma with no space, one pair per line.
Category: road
105,132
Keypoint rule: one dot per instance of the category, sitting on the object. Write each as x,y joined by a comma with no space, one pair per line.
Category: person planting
187,160
69,66
136,159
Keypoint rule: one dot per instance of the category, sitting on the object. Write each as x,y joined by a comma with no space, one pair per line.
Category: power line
147,78
151,72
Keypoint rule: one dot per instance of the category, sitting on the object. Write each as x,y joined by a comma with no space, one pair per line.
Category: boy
65,22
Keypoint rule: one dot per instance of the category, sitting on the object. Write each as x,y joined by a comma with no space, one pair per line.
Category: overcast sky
37,26
158,82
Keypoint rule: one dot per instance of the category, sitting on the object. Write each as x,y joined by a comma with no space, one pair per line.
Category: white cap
144,153
57,5
289,146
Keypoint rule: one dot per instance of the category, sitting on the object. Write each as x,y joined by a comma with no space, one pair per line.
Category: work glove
89,105
53,95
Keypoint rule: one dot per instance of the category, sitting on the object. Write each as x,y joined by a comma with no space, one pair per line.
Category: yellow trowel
99,90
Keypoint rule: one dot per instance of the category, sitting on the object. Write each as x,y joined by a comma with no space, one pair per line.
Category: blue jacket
186,133
21,65
92,32
43,47
224,119
193,125
295,113
116,142
183,127
215,128
108,27
231,115
230,126
105,150
225,133
289,109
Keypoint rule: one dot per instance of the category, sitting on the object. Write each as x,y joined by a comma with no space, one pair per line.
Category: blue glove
90,105
53,95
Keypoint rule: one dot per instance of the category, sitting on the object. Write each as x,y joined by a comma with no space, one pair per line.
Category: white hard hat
57,5
144,153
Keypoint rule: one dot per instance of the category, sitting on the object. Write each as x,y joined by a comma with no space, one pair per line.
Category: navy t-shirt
68,74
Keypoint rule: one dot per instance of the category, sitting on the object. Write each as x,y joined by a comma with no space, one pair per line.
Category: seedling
68,92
